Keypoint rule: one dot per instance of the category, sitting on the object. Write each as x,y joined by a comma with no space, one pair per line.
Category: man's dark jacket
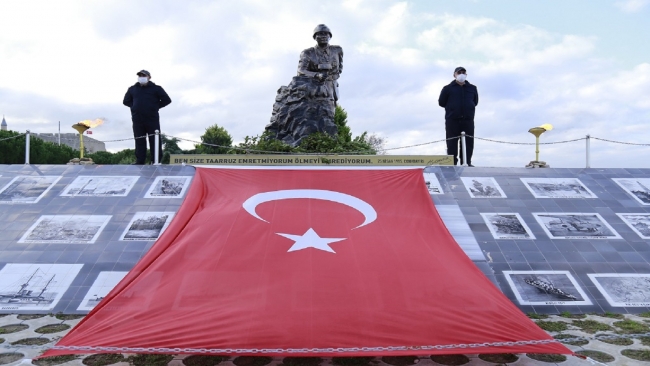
459,101
145,101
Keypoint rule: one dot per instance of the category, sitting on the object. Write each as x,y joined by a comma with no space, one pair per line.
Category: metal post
27,148
157,147
462,142
59,133
536,148
588,142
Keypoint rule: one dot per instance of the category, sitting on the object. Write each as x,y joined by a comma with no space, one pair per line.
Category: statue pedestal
82,161
537,164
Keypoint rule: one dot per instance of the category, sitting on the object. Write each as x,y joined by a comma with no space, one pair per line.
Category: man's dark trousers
453,128
142,128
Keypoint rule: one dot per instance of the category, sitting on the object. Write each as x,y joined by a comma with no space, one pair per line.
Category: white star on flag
310,240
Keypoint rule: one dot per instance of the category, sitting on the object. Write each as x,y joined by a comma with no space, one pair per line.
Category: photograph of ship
97,186
34,286
27,189
483,187
168,187
507,226
557,188
101,287
639,188
566,225
433,184
546,288
640,223
147,225
623,289
67,229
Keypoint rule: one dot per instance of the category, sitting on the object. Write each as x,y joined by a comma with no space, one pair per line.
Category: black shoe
470,165
137,163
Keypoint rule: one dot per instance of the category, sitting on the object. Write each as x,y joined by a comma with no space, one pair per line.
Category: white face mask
143,80
461,78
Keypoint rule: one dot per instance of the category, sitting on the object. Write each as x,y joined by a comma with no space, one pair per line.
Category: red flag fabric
306,263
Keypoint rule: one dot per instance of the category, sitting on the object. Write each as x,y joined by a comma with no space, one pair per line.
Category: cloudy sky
580,65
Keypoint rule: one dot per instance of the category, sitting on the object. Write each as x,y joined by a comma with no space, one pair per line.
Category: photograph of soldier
546,288
640,223
562,225
507,226
483,187
557,188
623,289
638,188
27,189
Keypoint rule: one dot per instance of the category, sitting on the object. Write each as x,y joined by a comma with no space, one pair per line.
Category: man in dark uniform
459,99
323,62
145,99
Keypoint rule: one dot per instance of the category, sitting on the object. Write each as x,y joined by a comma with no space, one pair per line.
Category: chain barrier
361,152
13,137
619,142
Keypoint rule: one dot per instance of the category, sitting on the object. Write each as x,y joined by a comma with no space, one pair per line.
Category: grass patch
618,341
644,341
351,361
103,359
31,341
12,328
54,360
450,360
204,360
2,340
52,328
607,314
537,316
637,354
3,315
150,360
400,360
302,361
644,315
568,315
30,316
6,358
252,361
552,326
547,357
69,316
498,357
591,326
568,336
628,326
597,355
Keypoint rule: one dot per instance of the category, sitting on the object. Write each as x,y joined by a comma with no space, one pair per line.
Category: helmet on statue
321,28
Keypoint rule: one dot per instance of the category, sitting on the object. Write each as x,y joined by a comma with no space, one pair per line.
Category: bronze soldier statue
308,103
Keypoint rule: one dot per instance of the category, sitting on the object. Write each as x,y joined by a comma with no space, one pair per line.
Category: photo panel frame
168,187
639,223
546,288
507,226
623,289
557,188
66,229
105,282
100,186
147,226
638,188
575,225
433,184
27,189
483,187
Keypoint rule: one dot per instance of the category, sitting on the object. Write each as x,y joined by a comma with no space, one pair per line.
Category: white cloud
632,6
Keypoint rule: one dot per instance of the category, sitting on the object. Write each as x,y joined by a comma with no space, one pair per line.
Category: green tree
12,150
215,135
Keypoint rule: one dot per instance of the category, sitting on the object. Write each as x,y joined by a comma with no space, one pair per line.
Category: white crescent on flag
363,207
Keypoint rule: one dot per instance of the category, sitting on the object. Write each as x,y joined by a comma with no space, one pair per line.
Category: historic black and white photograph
638,188
557,188
98,186
104,283
66,229
147,225
546,288
31,286
27,189
483,187
433,184
623,289
507,226
639,223
168,187
567,225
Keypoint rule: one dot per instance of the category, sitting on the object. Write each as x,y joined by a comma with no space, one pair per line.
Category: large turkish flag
306,262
